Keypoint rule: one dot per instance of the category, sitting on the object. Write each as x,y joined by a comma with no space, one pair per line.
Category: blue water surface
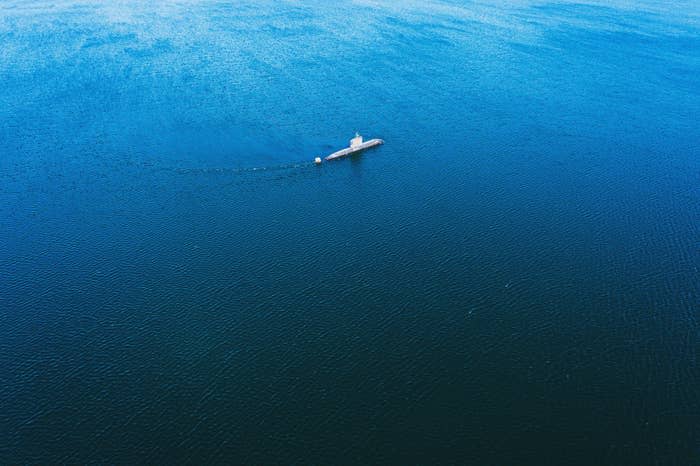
513,278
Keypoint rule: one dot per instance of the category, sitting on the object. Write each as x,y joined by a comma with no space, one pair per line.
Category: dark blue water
513,278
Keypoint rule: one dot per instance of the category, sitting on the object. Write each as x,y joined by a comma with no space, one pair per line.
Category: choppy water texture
511,279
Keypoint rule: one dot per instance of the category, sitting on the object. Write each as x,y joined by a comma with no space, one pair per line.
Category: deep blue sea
513,278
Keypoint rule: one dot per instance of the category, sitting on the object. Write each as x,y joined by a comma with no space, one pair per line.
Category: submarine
357,144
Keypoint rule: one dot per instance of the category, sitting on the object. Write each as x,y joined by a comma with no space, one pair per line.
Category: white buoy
317,160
